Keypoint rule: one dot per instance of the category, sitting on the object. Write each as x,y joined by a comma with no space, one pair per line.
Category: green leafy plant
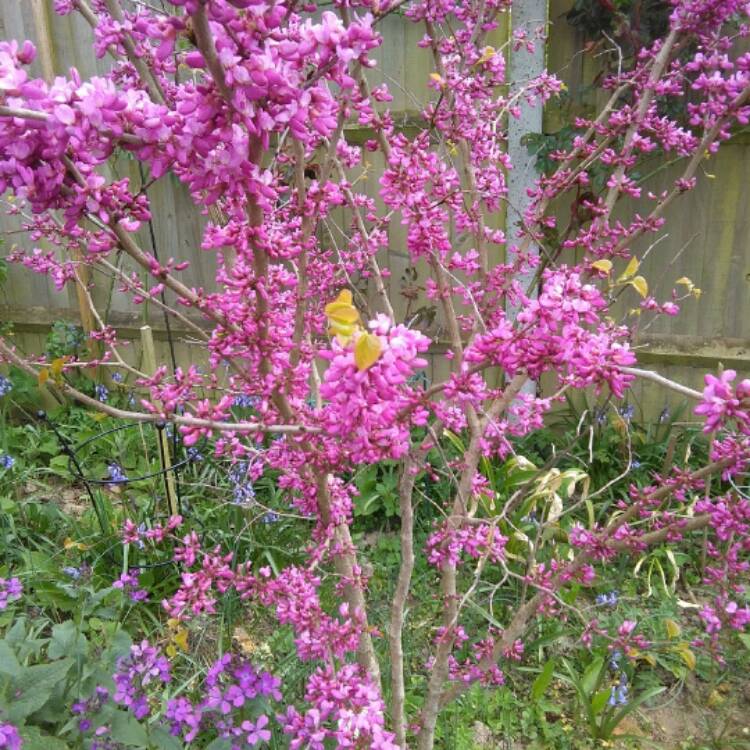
603,705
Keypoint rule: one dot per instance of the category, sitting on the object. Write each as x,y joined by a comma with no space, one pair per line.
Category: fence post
149,367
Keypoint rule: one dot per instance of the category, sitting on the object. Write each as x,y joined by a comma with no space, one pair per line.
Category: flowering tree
246,102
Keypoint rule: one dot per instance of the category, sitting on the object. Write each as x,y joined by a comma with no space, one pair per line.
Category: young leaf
343,317
599,701
603,265
673,629
640,285
630,270
591,676
543,680
367,351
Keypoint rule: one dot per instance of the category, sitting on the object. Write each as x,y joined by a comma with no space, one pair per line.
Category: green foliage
558,697
44,667
603,715
65,339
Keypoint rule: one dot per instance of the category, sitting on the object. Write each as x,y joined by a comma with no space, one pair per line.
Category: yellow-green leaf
57,367
687,656
630,270
603,265
673,629
343,317
180,639
487,54
43,376
437,78
367,351
685,281
640,285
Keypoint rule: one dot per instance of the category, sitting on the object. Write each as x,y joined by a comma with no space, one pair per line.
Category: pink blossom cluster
346,709
375,407
722,402
480,540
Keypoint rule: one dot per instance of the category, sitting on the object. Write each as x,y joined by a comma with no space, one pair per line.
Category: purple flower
130,584
6,461
101,392
10,590
135,673
256,732
185,718
10,738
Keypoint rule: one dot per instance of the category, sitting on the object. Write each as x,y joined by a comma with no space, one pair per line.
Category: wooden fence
705,238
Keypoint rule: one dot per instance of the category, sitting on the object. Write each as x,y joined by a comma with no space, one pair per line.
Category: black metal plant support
76,463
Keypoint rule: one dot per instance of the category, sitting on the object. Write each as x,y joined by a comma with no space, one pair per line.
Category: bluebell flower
600,416
270,517
118,377
116,474
664,416
614,660
635,464
6,461
102,392
619,693
5,385
74,573
131,400
609,599
194,455
627,412
243,492
244,402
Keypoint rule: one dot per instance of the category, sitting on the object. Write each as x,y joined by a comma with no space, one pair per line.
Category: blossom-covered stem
138,290
145,73
448,577
454,331
31,114
129,245
699,156
205,43
683,526
526,611
86,12
661,380
345,561
471,179
308,226
8,354
658,66
89,303
406,483
364,234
